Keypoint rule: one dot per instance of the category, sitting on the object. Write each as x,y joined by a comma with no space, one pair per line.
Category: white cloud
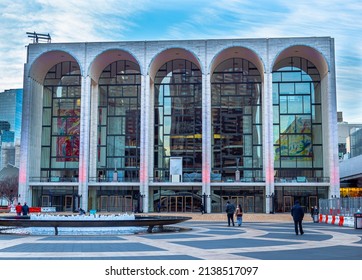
66,21
96,20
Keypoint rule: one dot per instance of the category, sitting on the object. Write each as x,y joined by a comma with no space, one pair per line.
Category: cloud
284,18
66,21
112,20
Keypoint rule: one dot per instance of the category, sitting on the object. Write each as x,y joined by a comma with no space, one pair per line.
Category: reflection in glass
236,120
178,119
118,154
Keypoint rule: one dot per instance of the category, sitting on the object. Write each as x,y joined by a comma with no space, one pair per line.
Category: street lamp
205,196
140,199
271,196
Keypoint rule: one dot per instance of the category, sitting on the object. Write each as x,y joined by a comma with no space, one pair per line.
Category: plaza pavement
204,237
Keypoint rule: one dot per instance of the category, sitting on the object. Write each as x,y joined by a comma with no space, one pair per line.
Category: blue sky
128,20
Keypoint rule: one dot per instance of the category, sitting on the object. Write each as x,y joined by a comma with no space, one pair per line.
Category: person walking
230,210
25,209
298,214
202,209
239,215
18,209
314,214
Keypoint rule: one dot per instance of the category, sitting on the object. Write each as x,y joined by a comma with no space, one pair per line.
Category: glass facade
118,155
297,121
356,142
236,121
180,125
178,120
61,123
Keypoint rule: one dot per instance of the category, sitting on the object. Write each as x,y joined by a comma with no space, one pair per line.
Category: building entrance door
238,200
189,205
177,203
126,203
288,203
68,203
249,205
103,203
313,201
45,201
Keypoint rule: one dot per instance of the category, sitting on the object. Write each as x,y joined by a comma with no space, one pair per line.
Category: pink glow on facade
334,177
269,175
22,175
143,174
206,174
82,173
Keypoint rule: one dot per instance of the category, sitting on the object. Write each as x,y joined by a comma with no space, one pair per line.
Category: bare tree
9,188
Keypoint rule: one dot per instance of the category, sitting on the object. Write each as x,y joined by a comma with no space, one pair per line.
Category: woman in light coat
239,215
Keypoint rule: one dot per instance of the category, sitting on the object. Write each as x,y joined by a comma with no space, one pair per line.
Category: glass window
286,88
61,121
297,130
295,104
237,116
119,121
177,103
302,88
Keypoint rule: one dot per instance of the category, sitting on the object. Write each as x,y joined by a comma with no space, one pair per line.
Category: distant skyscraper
10,124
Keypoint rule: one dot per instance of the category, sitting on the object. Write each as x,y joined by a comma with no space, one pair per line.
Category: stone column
268,160
84,152
24,195
146,148
206,139
331,145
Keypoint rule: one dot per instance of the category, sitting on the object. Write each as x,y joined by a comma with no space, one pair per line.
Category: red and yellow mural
68,124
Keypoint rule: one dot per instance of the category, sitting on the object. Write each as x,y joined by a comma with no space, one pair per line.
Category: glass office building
10,126
170,125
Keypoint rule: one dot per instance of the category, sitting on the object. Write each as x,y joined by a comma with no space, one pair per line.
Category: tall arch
47,60
302,128
116,106
236,102
237,52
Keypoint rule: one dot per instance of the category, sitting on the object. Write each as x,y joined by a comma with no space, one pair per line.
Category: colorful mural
295,140
68,125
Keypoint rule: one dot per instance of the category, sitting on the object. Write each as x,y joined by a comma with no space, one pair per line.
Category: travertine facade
93,58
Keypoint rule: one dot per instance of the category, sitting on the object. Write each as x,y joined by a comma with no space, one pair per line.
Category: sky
140,20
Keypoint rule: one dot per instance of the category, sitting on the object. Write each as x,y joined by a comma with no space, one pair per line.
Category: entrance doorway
177,203
288,203
246,202
45,201
68,203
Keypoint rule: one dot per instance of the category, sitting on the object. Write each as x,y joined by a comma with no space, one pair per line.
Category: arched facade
173,125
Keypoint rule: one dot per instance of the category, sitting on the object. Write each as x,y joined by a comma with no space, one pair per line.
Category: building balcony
301,179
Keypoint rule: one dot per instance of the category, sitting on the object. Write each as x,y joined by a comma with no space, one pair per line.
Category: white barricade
48,209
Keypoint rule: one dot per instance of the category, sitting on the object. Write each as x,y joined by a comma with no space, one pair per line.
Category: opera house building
171,126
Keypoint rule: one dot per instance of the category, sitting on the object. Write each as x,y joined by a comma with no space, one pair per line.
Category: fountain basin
139,221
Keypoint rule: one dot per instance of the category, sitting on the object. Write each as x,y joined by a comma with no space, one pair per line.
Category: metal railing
53,179
346,206
301,179
56,179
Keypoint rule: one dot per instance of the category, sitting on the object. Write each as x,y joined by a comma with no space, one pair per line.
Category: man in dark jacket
230,210
298,215
25,209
